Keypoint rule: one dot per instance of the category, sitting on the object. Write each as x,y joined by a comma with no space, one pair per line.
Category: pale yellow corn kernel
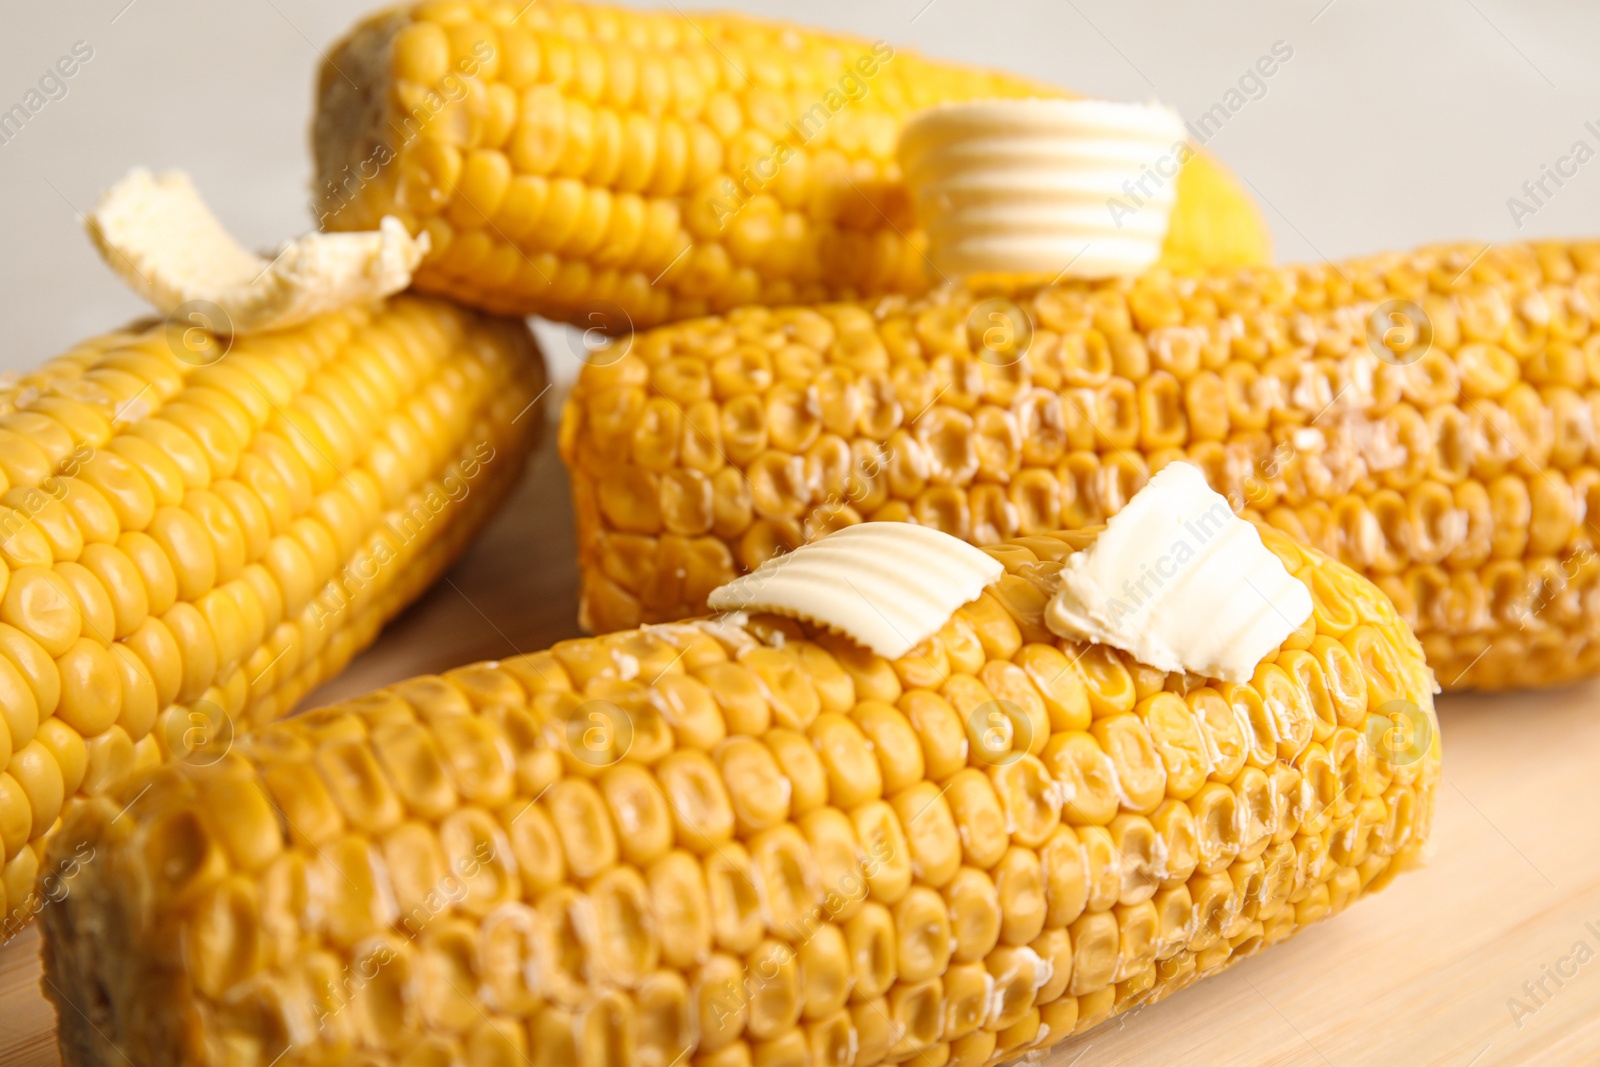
34,769
894,742
16,816
66,749
853,774
1139,772
1487,465
17,880
775,894
799,763
931,833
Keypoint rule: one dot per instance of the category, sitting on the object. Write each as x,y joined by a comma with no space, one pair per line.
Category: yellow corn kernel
603,166
177,570
1406,425
862,880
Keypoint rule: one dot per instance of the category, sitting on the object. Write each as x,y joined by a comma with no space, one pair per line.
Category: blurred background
1390,125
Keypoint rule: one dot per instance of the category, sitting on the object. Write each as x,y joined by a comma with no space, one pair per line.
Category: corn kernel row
571,158
192,536
749,843
1459,470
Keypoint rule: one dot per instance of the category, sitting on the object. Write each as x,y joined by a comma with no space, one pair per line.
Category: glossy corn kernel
617,167
725,842
1428,418
194,533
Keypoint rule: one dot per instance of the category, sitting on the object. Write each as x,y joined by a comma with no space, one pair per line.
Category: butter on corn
616,167
157,233
195,531
1181,583
887,586
1026,186
1427,417
735,843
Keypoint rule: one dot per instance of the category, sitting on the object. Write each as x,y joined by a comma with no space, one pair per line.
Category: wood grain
1422,973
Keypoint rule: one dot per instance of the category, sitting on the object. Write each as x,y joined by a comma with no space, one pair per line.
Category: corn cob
743,841
194,535
1427,418
618,168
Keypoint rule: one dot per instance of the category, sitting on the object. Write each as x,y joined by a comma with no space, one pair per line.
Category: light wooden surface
1420,974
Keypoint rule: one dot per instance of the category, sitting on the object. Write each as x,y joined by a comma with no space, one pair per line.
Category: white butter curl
887,585
1041,186
1181,583
158,234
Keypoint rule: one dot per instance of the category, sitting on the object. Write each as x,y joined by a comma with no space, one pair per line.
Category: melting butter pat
886,585
1181,583
156,232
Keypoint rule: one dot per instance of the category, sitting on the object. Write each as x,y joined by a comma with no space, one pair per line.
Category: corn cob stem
194,535
1428,418
617,168
740,843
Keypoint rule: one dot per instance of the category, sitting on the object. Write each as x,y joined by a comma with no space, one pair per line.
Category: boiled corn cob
196,531
620,168
1428,418
742,841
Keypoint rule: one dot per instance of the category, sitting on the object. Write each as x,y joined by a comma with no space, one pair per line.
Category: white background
1393,124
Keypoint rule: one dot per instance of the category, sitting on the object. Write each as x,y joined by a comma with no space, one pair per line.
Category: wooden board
1422,973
